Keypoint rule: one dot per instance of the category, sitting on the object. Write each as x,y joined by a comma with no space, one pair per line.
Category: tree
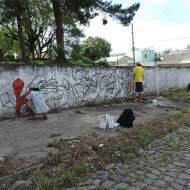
167,51
12,11
95,48
83,11
8,46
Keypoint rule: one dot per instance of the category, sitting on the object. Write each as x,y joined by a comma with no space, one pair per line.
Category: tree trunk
21,39
59,30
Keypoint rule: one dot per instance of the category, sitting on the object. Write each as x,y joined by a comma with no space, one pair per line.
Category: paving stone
20,185
89,181
108,184
139,172
160,183
133,188
155,172
180,164
181,181
104,175
118,178
152,176
96,182
184,176
172,174
92,187
81,188
121,186
168,179
177,186
140,184
148,180
153,188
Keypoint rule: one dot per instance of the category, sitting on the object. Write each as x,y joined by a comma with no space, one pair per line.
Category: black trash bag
126,118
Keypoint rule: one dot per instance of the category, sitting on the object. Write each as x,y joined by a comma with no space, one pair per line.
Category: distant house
143,55
177,57
117,60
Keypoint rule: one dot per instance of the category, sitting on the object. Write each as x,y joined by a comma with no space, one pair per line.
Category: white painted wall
165,78
66,87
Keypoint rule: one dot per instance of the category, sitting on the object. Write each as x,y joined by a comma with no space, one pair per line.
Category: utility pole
133,46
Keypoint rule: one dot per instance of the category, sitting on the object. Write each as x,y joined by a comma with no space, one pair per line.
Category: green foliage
8,46
186,121
145,136
172,127
95,48
179,94
68,178
81,168
50,183
177,114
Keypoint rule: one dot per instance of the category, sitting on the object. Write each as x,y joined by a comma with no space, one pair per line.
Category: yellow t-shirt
139,72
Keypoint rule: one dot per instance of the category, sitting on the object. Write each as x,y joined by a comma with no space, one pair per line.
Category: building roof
116,58
177,57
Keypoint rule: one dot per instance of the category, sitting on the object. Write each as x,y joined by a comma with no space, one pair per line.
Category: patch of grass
68,178
177,114
186,121
50,183
78,110
81,168
172,127
145,136
179,94
103,188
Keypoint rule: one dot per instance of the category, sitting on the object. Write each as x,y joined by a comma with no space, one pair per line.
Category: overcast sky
160,24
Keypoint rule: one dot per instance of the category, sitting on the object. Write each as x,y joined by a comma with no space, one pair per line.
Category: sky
158,24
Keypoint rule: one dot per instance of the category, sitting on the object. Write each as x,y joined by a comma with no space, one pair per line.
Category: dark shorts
137,87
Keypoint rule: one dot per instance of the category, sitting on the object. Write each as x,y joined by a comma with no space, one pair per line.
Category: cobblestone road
165,164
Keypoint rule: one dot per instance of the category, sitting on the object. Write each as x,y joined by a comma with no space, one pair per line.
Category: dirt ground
25,142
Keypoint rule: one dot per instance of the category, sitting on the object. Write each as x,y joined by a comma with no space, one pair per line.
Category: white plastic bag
107,119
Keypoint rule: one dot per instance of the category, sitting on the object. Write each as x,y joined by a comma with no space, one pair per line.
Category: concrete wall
66,87
165,78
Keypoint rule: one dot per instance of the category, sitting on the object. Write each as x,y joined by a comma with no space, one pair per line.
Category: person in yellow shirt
138,79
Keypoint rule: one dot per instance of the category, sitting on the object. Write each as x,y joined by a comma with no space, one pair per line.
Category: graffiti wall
69,87
65,87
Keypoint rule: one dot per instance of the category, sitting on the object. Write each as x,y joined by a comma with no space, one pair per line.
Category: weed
146,136
81,168
177,114
179,94
130,157
68,178
173,127
103,188
185,110
54,144
120,147
44,183
186,121
95,135
79,111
